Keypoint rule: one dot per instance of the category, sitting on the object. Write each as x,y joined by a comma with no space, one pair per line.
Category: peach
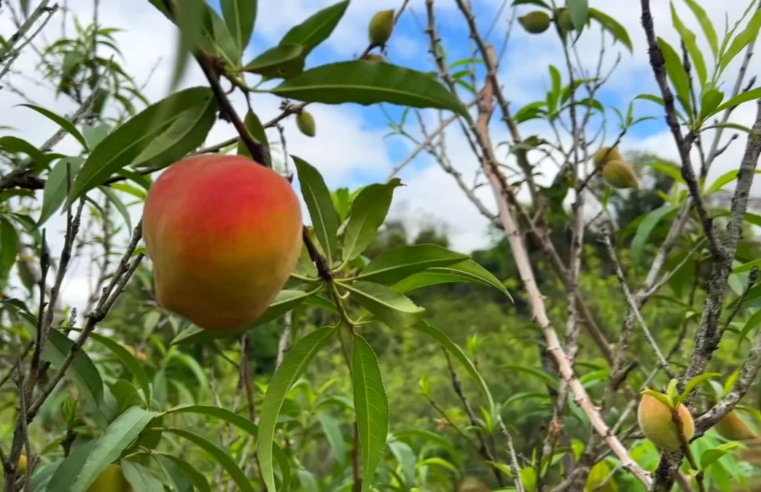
734,428
224,234
656,423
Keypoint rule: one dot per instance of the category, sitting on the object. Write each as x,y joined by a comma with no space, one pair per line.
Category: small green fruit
381,27
564,19
306,124
619,174
535,22
605,155
656,423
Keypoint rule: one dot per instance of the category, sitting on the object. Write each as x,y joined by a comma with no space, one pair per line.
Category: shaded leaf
645,228
128,360
282,61
140,478
240,17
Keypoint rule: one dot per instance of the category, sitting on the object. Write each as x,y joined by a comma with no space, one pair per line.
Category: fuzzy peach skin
656,423
734,428
224,234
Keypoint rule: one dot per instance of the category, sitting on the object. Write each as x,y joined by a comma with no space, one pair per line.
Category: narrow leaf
199,481
240,17
282,61
394,265
128,360
256,129
457,352
371,406
65,124
677,75
690,42
745,37
643,232
293,366
368,211
739,99
320,205
140,478
316,28
161,134
390,307
8,246
219,455
467,271
114,440
611,25
368,83
579,10
706,25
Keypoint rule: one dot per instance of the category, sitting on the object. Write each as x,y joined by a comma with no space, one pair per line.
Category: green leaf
706,25
748,35
397,264
368,211
140,478
82,371
435,439
320,205
747,266
579,10
199,481
316,28
67,472
645,228
690,42
739,99
751,324
189,17
660,397
219,455
94,134
711,456
467,271
128,360
332,430
282,61
293,366
677,75
224,414
367,83
545,378
371,406
240,17
8,246
390,307
670,170
219,40
611,25
256,129
113,197
56,186
60,121
110,445
407,461
162,133
697,380
286,300
16,145
457,352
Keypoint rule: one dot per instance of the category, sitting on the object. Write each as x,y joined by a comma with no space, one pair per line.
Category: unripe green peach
564,19
620,174
224,234
734,428
605,155
306,124
535,22
381,27
656,423
111,480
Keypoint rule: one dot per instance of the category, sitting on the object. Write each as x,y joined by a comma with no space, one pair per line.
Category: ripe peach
734,428
224,234
656,423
